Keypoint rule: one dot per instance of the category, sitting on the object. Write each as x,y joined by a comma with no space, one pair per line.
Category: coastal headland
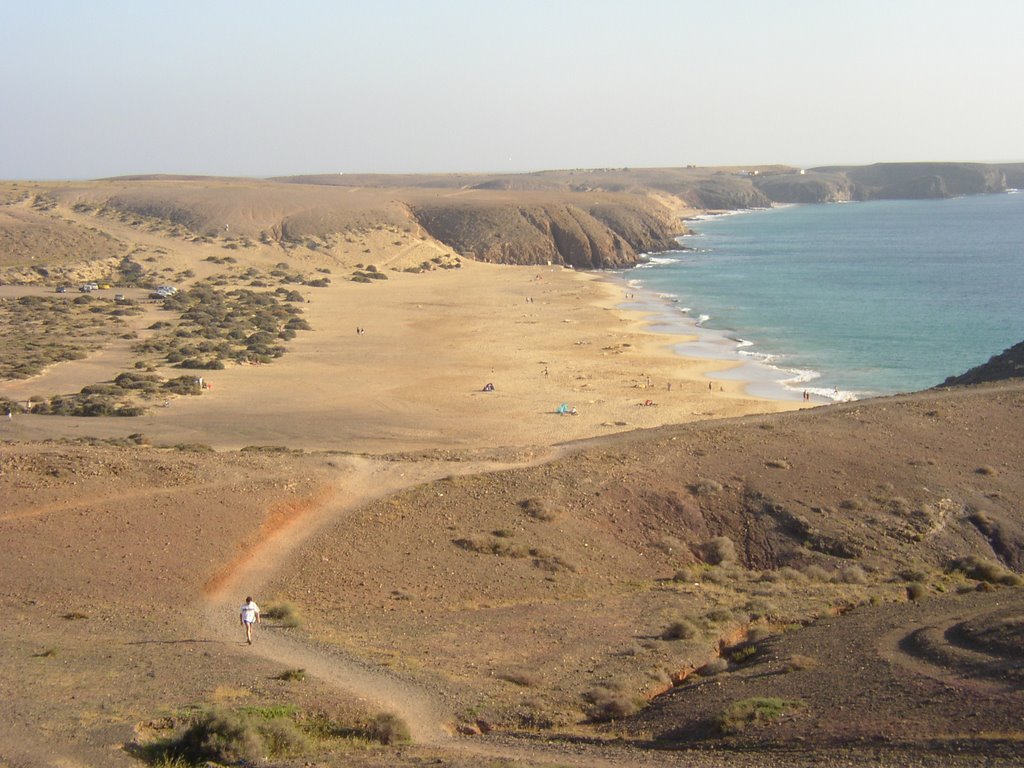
491,517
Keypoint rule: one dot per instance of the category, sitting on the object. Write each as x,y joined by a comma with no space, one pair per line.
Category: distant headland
585,218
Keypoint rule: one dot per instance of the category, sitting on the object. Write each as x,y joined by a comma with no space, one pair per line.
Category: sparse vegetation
231,737
612,701
706,487
38,331
986,571
388,728
539,509
684,629
719,551
753,711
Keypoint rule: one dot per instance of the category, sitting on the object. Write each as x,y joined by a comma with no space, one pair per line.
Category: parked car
62,289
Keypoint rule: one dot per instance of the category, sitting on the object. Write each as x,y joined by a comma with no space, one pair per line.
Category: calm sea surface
847,300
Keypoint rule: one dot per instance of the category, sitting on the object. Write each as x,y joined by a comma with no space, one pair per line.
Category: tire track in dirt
145,493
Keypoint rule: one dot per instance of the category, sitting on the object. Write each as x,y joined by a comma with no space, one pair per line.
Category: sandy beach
414,379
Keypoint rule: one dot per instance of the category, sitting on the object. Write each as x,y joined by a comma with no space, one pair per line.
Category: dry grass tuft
612,701
757,710
684,629
719,551
389,728
539,509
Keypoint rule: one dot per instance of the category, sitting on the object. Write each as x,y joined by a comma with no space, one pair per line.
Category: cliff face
806,188
601,236
896,181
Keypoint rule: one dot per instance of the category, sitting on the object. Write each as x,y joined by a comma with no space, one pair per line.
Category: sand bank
414,379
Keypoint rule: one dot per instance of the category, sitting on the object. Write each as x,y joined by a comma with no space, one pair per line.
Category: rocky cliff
1008,364
596,236
894,181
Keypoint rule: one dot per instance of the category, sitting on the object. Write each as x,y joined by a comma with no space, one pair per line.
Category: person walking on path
249,615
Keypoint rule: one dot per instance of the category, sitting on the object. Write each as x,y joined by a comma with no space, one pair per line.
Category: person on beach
249,615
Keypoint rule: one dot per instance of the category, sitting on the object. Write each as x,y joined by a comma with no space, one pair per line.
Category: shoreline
758,378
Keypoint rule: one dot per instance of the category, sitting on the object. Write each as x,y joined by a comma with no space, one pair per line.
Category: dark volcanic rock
1008,364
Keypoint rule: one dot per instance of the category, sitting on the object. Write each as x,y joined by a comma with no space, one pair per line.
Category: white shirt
249,612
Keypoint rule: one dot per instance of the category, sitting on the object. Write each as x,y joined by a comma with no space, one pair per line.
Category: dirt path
360,481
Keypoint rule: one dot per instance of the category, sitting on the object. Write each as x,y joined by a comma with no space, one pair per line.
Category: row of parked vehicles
160,293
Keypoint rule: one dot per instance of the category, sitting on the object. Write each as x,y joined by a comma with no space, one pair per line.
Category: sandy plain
414,379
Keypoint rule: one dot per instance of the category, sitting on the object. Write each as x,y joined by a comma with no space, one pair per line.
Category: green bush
219,736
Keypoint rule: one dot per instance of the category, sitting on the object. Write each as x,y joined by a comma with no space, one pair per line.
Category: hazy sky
92,88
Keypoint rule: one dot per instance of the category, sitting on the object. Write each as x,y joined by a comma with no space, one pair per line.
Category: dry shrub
913,575
539,509
612,701
852,574
719,551
817,573
518,677
737,716
388,728
220,737
720,616
723,576
714,667
492,545
916,591
706,487
986,571
760,608
549,561
851,504
986,470
286,613
684,629
690,574
778,464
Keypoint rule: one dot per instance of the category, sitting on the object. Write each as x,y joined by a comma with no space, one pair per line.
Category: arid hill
595,218
839,584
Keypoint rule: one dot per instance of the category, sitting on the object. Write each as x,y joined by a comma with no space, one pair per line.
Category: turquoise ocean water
846,300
